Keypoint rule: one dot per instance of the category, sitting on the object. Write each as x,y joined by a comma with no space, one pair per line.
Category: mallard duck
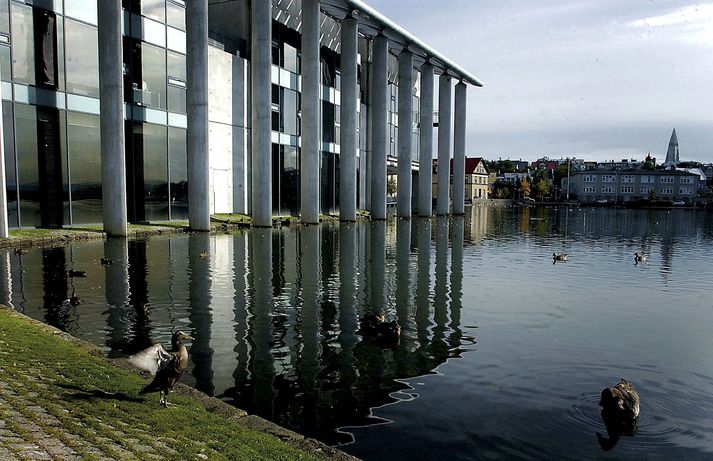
21,251
375,328
559,257
639,258
72,273
106,262
620,401
166,367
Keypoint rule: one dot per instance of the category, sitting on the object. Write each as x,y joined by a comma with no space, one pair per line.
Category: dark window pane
23,44
82,59
155,172
11,182
175,16
290,181
85,165
327,121
29,183
178,173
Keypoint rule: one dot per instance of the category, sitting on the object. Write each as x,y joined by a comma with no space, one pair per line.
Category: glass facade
52,123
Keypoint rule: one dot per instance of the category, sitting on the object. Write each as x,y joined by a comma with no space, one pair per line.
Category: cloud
693,23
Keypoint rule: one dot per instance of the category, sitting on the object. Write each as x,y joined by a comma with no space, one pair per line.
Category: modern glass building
49,62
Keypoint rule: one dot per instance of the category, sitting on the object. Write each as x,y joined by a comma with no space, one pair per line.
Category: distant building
620,187
477,183
624,164
672,153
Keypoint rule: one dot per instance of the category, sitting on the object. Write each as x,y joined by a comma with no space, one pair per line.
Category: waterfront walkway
59,399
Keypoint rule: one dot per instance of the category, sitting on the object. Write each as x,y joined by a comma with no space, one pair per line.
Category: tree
542,186
648,165
391,186
560,172
525,187
502,189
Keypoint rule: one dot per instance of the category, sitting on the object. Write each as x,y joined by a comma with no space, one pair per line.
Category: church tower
672,153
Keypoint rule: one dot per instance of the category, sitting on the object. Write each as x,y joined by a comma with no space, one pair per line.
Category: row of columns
112,126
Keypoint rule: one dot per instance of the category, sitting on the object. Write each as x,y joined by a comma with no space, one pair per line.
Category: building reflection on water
274,312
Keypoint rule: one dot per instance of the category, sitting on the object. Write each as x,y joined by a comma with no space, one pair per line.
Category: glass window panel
176,99
290,58
177,66
175,16
23,43
153,32
5,16
178,173
10,179
29,183
5,63
85,164
149,75
176,39
155,172
289,112
155,9
327,121
82,59
84,10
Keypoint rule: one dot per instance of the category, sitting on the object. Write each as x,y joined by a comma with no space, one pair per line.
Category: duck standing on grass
620,412
166,367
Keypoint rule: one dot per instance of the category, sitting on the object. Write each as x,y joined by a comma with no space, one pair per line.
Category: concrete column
425,157
349,141
444,144
4,232
260,112
403,203
111,106
379,132
459,150
311,105
197,98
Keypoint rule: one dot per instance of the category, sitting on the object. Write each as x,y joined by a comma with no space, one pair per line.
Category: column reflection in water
116,280
5,279
423,283
440,296
377,269
199,311
404,306
309,363
348,317
240,303
138,313
260,323
457,230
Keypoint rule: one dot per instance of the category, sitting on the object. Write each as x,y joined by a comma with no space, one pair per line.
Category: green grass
77,389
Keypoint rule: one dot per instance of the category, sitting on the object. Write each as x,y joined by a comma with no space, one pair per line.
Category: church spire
672,153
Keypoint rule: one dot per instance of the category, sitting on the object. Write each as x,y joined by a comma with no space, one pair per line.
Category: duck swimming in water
166,367
559,257
374,327
620,412
639,258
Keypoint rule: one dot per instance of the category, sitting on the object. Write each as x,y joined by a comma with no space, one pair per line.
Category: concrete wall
227,115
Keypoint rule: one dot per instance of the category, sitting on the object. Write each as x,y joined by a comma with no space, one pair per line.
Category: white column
405,133
379,132
111,107
349,141
425,158
311,105
197,108
459,150
261,116
444,144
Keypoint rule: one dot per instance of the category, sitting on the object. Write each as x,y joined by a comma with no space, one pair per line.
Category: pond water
503,354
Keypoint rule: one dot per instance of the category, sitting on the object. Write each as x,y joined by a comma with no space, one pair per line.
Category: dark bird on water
72,273
639,258
21,251
620,412
559,257
106,262
166,367
374,326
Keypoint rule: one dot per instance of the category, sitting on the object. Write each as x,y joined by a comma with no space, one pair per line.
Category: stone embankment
61,399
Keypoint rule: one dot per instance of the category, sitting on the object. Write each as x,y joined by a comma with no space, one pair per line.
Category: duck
166,367
639,258
106,261
559,257
73,273
374,327
21,251
621,401
204,255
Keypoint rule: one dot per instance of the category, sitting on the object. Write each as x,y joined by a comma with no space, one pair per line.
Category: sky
595,79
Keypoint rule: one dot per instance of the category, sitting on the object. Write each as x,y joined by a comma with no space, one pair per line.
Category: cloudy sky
599,79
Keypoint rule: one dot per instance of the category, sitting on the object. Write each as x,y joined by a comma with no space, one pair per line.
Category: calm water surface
503,353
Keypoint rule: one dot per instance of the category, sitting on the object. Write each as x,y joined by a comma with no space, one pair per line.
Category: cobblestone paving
47,427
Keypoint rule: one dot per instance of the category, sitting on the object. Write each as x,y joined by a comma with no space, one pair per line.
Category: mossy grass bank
57,388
